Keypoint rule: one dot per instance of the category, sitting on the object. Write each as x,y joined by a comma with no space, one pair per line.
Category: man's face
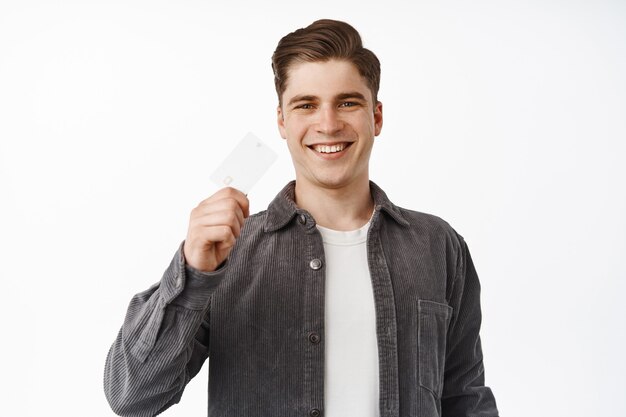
329,120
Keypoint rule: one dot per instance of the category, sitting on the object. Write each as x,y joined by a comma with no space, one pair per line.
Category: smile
331,148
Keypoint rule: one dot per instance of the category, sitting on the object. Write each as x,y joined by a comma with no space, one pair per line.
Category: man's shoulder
430,224
415,217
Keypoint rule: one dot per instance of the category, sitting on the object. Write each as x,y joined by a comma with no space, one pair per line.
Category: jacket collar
283,208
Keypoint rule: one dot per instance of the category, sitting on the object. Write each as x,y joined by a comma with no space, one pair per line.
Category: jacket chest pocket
433,321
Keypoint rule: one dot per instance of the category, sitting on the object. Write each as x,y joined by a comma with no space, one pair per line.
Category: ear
378,118
280,119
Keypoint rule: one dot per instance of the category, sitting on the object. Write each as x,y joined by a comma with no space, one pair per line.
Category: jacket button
315,264
314,338
302,219
315,413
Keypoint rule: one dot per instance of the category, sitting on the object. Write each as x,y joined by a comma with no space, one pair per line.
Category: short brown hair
324,40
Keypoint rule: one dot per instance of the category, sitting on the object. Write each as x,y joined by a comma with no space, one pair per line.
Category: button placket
314,315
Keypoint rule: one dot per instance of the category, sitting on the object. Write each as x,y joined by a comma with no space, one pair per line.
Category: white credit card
245,165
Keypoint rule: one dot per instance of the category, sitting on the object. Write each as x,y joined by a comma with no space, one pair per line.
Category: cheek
290,124
297,131
293,145
364,120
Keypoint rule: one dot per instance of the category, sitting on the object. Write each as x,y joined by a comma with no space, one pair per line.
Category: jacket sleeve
464,390
163,342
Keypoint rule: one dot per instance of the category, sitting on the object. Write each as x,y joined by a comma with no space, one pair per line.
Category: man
333,301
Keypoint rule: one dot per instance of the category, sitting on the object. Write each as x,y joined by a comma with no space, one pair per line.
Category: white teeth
330,149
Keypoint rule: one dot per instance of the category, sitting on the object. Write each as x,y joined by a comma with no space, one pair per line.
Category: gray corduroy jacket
260,320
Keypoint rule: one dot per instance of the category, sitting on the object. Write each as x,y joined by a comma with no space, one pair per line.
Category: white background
506,118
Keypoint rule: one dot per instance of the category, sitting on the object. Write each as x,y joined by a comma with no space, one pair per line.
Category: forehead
324,79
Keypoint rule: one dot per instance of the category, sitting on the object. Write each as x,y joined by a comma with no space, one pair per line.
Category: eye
305,106
349,104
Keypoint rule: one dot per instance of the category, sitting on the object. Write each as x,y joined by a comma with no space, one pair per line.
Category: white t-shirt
351,386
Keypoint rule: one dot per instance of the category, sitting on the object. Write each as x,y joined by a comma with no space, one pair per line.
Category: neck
346,208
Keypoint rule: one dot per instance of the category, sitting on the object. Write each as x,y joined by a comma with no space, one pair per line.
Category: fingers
230,194
217,211
208,217
220,237
214,225
224,207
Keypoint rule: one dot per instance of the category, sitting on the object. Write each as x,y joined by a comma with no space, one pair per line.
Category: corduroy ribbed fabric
260,320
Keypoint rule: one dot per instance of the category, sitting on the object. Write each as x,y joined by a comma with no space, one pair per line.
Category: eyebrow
352,94
298,98
342,96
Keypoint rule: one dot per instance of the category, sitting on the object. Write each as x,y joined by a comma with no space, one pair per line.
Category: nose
329,121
